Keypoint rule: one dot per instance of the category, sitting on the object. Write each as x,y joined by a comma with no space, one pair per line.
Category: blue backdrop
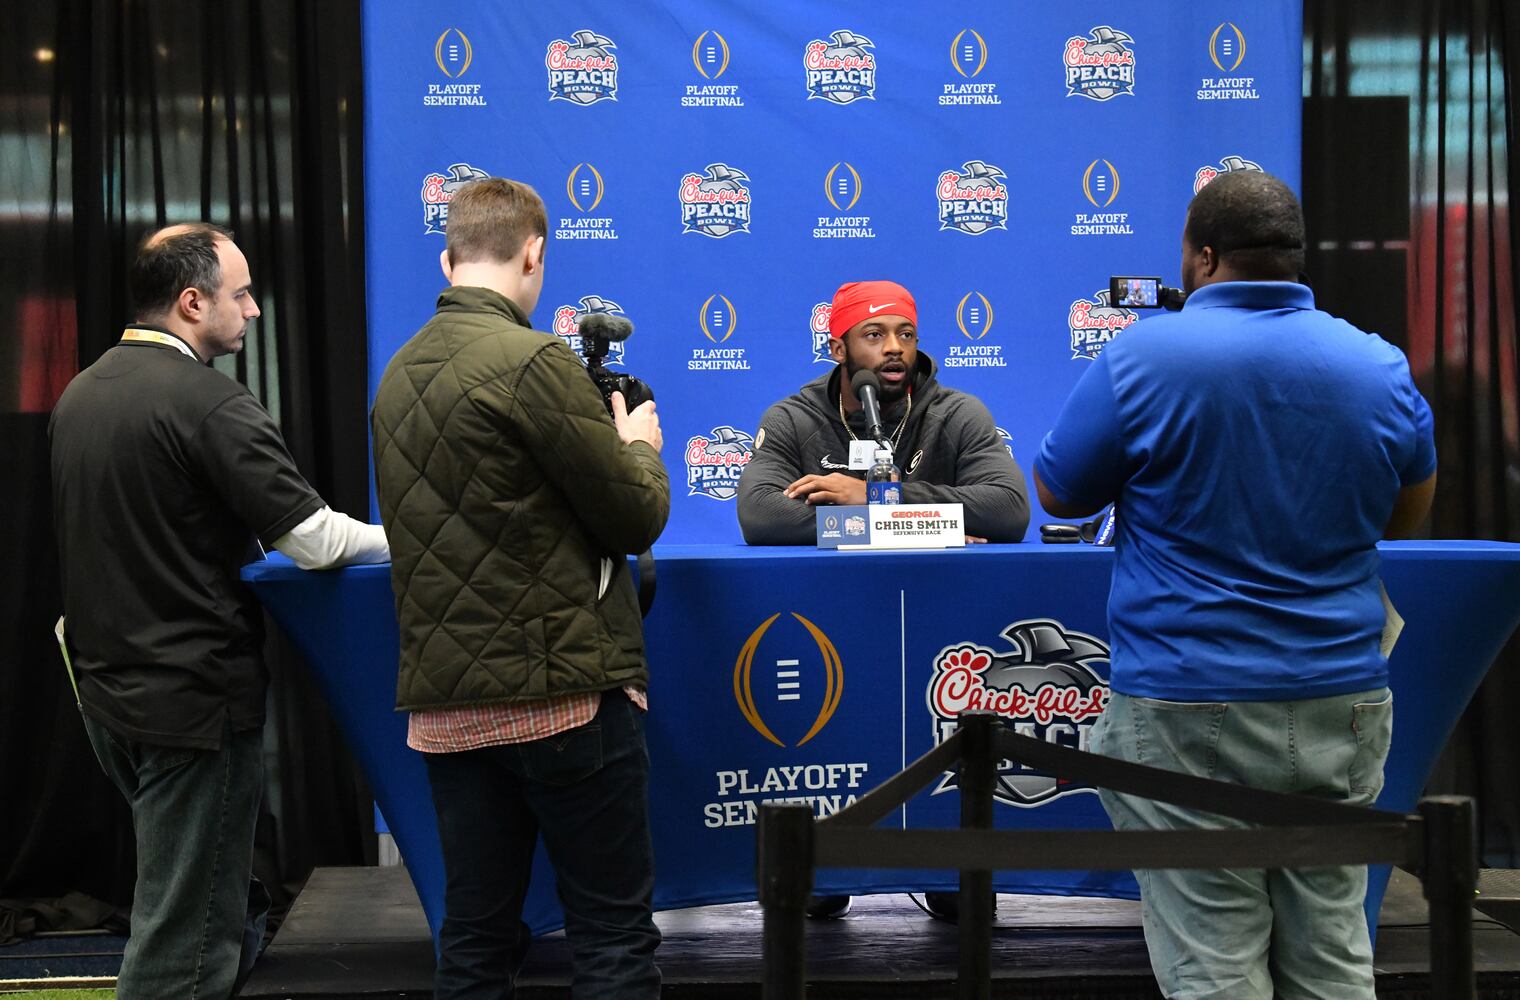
714,172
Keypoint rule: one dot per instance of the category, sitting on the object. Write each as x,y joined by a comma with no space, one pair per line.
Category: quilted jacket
510,503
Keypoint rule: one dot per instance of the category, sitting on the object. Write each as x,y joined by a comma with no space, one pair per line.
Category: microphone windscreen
863,378
606,326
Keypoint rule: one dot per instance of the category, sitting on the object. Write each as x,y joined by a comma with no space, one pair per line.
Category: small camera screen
1135,293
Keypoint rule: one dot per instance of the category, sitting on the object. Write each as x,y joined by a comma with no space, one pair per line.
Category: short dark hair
1254,219
165,266
489,220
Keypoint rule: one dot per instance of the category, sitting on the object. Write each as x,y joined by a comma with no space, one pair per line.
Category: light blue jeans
1253,933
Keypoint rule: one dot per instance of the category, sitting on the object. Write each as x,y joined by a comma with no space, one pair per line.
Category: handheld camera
1136,292
598,332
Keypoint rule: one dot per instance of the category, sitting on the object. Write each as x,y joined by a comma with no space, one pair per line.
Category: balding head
193,281
171,260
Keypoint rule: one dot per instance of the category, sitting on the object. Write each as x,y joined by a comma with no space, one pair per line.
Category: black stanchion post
1450,875
978,776
784,862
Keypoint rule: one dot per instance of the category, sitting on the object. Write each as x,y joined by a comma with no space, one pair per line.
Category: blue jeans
1253,933
586,791
197,912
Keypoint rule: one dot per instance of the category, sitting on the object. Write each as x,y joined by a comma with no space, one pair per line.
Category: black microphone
867,388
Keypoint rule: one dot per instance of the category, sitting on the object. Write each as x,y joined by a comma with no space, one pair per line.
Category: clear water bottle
883,481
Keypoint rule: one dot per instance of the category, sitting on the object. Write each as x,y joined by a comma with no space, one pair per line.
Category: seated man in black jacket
944,440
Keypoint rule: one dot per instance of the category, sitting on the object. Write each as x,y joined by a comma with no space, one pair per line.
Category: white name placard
892,526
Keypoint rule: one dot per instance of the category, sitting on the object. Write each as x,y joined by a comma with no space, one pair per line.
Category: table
792,673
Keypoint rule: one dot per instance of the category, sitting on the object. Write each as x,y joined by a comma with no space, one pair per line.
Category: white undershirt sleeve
328,538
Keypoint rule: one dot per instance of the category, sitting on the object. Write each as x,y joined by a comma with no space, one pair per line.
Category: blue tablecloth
791,673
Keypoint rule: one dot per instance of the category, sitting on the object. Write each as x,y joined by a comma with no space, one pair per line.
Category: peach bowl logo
1045,686
840,70
715,462
800,678
974,199
818,328
1100,66
567,325
438,190
716,205
1093,323
1228,165
582,70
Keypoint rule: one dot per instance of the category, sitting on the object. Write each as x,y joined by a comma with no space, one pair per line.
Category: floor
359,932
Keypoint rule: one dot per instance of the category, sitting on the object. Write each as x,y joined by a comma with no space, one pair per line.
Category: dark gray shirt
164,470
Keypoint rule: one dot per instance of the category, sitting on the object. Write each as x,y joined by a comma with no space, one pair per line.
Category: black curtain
122,116
1408,185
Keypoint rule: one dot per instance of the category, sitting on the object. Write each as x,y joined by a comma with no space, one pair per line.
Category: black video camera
598,332
1133,292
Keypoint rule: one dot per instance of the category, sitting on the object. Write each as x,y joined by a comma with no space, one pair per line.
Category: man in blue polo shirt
1257,449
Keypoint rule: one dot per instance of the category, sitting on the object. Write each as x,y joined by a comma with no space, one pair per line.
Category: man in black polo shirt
164,470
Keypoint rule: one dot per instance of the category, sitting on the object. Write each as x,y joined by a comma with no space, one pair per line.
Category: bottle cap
883,454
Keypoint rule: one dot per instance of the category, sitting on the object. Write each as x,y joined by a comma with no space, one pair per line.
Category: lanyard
139,335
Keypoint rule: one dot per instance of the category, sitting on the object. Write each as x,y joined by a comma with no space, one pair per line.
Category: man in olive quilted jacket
513,499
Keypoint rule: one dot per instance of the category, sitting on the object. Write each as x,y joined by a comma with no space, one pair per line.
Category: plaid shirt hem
452,730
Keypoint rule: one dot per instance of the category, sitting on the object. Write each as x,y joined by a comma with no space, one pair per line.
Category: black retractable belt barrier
978,782
784,849
1450,876
1439,845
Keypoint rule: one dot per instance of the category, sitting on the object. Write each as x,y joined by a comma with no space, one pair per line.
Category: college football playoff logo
1227,45
709,53
453,53
1100,183
585,187
973,315
968,53
800,679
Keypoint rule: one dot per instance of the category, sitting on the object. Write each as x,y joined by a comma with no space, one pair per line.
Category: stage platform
359,932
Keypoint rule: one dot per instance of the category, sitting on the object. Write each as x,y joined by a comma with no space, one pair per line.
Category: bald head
171,260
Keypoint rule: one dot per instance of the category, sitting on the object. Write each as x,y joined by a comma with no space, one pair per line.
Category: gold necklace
897,432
